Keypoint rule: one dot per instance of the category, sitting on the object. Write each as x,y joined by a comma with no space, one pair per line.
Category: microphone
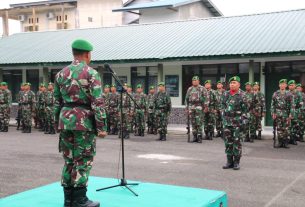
107,66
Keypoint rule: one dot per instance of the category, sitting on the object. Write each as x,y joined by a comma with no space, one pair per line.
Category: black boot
67,196
52,130
142,133
5,129
252,138
211,135
218,134
229,163
301,138
195,138
163,137
160,137
285,144
116,131
199,138
29,130
206,135
80,199
236,163
259,136
247,139
126,135
24,129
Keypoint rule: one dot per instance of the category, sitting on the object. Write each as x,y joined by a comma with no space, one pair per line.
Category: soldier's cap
3,83
129,86
51,83
139,86
256,83
234,78
219,82
151,87
161,84
195,78
291,82
107,86
283,81
207,81
248,83
299,85
113,86
27,84
42,85
81,44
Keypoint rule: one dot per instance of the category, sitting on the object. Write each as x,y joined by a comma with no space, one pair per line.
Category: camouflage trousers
126,122
301,128
41,115
209,122
162,121
4,115
196,117
218,120
139,120
294,128
78,149
255,124
27,115
282,129
232,139
113,119
50,116
151,121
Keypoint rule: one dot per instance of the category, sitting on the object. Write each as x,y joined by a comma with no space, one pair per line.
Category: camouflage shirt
259,105
282,103
27,97
79,85
197,97
106,101
151,103
50,99
113,101
41,99
128,105
218,95
297,101
162,102
4,99
141,100
213,100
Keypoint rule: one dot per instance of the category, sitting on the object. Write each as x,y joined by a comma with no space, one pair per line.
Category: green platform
150,195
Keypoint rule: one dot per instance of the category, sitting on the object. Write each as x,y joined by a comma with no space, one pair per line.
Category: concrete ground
268,177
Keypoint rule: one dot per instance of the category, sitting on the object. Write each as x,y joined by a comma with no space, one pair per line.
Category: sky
227,7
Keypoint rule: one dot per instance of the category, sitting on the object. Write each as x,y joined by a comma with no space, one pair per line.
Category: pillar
1,74
262,85
45,72
251,71
24,75
100,70
160,73
34,19
40,74
5,24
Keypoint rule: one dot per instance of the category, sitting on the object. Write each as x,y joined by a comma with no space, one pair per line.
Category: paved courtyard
268,177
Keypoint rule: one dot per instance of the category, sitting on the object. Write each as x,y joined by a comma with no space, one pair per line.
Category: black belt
73,105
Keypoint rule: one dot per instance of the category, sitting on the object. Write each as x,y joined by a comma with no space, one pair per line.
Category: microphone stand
123,181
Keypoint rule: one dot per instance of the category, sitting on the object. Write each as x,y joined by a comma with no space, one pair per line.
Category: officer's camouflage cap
256,83
299,85
195,78
248,83
161,84
283,81
151,87
81,44
234,78
291,82
207,81
107,86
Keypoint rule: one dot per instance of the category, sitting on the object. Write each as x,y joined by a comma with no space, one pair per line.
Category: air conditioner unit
50,15
21,18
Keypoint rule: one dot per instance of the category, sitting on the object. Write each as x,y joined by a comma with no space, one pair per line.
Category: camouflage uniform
281,106
218,117
41,107
50,122
79,115
127,108
151,114
295,123
209,117
4,102
163,106
256,114
197,100
106,107
114,99
27,107
141,100
19,118
235,115
245,130
301,118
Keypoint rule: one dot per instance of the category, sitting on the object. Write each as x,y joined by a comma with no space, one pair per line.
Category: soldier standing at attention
80,116
235,114
209,117
8,106
131,117
219,93
19,112
258,112
245,131
28,108
50,101
127,108
106,95
41,107
163,107
141,100
297,104
3,104
151,116
197,102
281,110
114,99
301,116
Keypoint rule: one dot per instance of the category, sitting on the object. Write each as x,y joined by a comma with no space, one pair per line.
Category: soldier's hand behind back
102,134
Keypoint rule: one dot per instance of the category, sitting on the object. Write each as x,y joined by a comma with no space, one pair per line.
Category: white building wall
199,10
174,70
158,15
123,71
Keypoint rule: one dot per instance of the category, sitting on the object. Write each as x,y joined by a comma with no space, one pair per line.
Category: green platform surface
150,195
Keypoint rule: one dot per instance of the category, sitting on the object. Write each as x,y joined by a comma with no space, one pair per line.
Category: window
14,79
32,76
90,19
37,20
66,17
58,18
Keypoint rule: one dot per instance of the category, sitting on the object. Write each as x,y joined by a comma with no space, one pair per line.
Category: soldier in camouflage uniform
28,107
114,99
19,112
4,102
127,108
41,106
80,116
163,107
50,100
245,130
235,115
7,107
219,93
281,110
151,115
106,95
209,117
301,115
294,127
140,113
131,116
197,102
257,113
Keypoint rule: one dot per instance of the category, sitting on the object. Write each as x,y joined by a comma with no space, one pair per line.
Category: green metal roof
169,4
280,32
